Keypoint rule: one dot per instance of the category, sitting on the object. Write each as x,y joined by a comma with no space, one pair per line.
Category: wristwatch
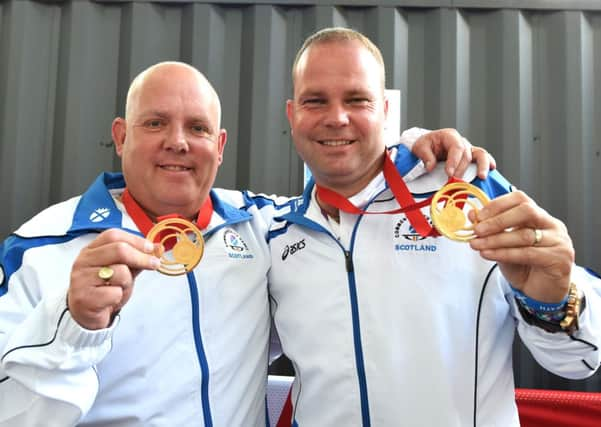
570,322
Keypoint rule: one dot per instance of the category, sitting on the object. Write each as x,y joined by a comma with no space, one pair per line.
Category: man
388,326
79,345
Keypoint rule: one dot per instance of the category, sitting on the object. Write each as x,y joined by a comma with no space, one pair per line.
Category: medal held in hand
449,212
183,243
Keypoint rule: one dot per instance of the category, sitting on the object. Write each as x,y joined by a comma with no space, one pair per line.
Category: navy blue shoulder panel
494,185
256,200
96,208
404,160
13,249
228,212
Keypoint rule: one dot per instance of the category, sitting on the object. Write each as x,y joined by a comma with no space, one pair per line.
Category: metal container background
520,78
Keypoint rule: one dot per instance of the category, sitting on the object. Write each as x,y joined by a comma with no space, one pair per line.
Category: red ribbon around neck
144,223
407,203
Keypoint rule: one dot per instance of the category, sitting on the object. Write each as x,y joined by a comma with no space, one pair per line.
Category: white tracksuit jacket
386,328
190,350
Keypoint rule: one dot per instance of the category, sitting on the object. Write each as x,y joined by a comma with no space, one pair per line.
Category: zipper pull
349,261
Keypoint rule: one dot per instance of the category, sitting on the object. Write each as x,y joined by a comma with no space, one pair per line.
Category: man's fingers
120,252
457,150
465,160
505,203
424,149
516,238
93,307
116,235
484,161
455,160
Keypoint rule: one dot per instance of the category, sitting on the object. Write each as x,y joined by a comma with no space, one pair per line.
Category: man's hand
459,153
92,301
537,263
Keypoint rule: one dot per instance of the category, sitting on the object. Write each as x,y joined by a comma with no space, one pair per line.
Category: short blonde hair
340,34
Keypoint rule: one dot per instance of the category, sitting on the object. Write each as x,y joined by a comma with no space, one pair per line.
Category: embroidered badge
407,239
100,214
235,246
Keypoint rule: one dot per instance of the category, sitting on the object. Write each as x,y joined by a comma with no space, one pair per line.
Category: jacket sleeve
47,360
575,356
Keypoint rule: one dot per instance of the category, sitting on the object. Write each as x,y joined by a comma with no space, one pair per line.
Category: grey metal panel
209,33
86,96
30,43
265,139
519,78
479,4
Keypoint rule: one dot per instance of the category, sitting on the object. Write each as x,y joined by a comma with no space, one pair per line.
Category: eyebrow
311,92
159,113
349,93
165,114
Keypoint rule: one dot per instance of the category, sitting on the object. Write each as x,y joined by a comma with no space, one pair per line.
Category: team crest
409,239
235,247
404,229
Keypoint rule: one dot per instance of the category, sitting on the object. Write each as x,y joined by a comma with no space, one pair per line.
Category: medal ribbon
407,203
144,223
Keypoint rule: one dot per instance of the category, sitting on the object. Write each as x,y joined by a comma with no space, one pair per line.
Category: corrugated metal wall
524,83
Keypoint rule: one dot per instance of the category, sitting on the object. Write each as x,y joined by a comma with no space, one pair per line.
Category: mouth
336,142
175,168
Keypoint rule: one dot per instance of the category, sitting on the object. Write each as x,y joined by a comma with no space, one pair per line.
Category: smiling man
385,333
91,333
172,168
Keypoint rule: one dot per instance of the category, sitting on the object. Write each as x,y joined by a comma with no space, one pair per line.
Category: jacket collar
97,211
403,159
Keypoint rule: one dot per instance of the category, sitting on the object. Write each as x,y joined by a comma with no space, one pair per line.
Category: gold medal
447,209
185,241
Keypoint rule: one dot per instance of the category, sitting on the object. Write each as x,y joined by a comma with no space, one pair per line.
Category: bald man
188,349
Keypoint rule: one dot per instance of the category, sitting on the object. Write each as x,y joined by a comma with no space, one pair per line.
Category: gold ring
538,236
106,273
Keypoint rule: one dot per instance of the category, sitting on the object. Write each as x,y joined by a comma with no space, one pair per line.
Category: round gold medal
450,206
183,244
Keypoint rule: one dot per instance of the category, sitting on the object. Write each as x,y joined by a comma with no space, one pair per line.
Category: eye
154,124
313,102
359,101
200,129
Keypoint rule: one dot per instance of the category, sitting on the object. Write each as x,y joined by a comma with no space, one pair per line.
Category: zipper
200,352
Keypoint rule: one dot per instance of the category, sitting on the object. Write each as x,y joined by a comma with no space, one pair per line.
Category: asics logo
291,249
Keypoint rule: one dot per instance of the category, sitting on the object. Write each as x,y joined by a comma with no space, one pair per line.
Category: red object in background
536,408
544,408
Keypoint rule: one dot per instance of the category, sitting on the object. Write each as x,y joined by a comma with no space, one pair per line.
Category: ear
221,140
290,112
118,133
385,107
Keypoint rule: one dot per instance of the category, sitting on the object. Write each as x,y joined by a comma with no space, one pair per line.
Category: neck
154,216
133,205
328,209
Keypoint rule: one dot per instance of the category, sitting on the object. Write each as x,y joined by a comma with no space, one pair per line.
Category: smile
336,143
175,168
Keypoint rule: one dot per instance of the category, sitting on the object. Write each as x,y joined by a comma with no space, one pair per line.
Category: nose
176,140
337,115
